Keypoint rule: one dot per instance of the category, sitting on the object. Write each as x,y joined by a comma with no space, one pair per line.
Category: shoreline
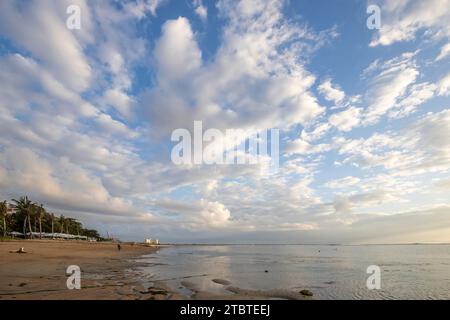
182,287
133,273
106,272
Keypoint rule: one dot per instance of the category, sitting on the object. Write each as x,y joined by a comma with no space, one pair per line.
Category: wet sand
106,272
237,293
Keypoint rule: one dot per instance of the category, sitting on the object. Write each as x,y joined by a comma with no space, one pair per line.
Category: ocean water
330,272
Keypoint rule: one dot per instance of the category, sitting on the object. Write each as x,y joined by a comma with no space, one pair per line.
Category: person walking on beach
119,247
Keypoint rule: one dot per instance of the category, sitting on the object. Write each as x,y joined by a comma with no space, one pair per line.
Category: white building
152,241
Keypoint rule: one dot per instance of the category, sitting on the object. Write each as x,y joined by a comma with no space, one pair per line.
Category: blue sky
87,116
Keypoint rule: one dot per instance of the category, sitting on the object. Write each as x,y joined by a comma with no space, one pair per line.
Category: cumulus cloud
330,92
420,148
119,100
343,182
107,123
389,85
82,121
27,83
200,9
444,86
445,51
251,83
402,20
176,53
301,146
45,35
346,120
59,183
201,214
140,8
416,95
345,204
392,91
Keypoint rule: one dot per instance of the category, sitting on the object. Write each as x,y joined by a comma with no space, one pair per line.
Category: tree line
30,218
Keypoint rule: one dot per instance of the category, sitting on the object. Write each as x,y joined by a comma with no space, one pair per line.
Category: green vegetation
33,220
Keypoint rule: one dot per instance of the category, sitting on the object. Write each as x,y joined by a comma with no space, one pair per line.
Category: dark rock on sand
154,291
306,293
266,294
222,282
21,250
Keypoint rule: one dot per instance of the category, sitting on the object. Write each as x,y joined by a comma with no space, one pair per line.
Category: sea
329,271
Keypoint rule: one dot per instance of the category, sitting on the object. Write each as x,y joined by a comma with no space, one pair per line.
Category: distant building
152,241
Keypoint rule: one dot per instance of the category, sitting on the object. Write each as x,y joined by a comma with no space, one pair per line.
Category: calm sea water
330,272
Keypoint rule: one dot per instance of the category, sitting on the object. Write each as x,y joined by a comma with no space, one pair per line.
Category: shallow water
330,272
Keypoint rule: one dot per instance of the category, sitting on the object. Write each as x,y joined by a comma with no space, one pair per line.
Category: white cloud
346,120
445,51
112,57
251,82
140,8
176,52
318,132
120,101
444,86
199,214
61,184
84,139
395,76
345,204
330,92
301,146
403,19
39,27
420,148
417,94
343,182
108,124
22,77
200,9
214,213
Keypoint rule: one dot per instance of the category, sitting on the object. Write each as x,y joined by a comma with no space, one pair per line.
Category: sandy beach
106,272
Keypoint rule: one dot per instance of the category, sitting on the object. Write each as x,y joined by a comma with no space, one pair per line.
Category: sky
86,117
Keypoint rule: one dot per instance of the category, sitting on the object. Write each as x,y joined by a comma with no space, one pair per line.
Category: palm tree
41,214
4,211
61,222
25,207
72,226
53,220
12,216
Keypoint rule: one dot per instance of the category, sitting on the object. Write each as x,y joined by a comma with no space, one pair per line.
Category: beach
106,272
329,272
236,272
